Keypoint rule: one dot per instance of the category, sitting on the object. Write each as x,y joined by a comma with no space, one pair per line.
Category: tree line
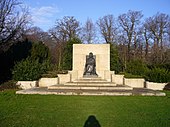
134,37
131,35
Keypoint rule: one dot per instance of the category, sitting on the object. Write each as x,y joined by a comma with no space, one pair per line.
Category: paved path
134,91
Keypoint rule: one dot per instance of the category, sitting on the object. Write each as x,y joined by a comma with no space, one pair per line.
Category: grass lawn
73,111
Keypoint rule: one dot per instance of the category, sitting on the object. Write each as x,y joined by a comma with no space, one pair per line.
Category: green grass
73,111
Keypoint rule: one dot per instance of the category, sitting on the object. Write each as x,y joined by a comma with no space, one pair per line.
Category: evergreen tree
136,67
17,52
34,65
40,52
115,63
68,51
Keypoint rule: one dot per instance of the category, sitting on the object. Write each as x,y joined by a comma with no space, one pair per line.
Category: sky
45,12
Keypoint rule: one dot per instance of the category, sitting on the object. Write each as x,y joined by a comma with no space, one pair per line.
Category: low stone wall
26,84
155,86
63,78
45,82
134,82
118,79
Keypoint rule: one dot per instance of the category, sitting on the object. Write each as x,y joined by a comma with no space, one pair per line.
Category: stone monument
101,61
91,75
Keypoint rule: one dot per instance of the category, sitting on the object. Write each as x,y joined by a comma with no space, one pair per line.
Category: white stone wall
45,82
26,84
118,79
155,86
135,82
63,78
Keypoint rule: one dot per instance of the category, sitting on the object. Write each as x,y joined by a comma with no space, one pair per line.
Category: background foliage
33,66
68,53
157,74
115,62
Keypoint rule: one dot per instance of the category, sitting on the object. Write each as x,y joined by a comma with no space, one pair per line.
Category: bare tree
107,28
13,21
147,37
158,27
122,48
59,38
35,34
68,27
89,31
129,23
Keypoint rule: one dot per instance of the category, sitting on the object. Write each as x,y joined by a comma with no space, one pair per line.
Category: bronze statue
90,66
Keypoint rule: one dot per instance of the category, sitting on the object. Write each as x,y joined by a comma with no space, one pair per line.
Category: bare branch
13,22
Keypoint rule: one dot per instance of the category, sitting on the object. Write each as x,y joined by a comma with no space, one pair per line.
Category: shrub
33,66
128,75
166,66
40,51
68,51
50,74
17,52
54,73
29,70
115,62
136,67
11,84
158,75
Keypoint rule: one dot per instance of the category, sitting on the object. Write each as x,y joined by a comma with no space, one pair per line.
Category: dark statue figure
90,66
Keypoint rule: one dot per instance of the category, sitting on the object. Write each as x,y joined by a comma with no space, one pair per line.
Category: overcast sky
45,12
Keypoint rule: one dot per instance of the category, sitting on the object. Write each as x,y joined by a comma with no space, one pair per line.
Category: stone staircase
91,86
88,81
88,87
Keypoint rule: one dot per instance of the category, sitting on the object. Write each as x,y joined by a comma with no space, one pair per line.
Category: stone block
107,75
45,82
63,78
26,84
155,86
118,79
73,75
134,82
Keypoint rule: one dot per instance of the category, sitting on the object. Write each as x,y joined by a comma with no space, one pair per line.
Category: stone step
93,92
88,79
135,91
76,92
91,83
88,87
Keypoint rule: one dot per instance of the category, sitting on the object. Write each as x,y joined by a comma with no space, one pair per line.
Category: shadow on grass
92,122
